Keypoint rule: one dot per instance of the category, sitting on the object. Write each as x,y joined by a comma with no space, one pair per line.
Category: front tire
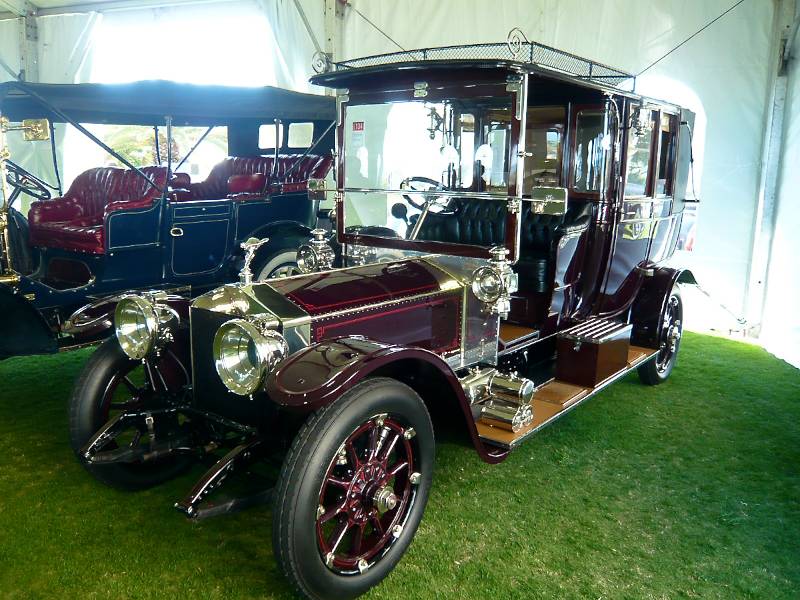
353,490
108,384
657,370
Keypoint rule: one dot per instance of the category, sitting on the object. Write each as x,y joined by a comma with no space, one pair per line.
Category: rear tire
88,412
657,370
336,448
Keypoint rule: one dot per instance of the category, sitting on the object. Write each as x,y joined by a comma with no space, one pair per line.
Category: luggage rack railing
516,49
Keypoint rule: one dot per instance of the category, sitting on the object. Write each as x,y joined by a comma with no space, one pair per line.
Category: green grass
690,489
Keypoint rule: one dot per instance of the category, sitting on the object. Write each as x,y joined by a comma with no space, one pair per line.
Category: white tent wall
243,42
294,46
724,75
65,55
9,46
780,331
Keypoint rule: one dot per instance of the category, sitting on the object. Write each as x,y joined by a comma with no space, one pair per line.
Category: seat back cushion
216,184
253,184
483,223
311,166
95,188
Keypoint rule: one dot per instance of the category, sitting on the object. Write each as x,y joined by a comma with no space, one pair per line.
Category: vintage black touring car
119,228
504,219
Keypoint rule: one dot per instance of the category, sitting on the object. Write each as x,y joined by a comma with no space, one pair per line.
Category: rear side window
666,154
588,160
301,135
266,135
640,146
543,140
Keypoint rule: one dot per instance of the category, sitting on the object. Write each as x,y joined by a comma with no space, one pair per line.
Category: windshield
428,169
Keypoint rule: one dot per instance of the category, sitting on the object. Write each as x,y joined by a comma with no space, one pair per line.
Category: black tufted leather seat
475,222
483,223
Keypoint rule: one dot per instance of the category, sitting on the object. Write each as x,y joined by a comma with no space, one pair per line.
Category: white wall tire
281,264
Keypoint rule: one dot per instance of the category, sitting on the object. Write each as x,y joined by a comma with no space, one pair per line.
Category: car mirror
549,200
400,211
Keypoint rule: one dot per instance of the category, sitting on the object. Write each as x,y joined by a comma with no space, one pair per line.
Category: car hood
316,295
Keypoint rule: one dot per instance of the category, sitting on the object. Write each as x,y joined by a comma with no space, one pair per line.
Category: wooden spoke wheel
353,489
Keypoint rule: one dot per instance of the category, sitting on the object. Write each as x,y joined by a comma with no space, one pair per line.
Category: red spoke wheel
657,370
110,384
353,489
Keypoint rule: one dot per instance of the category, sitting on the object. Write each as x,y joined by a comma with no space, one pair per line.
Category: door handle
176,232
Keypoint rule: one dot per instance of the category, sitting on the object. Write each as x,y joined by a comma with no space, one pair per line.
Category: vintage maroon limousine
503,225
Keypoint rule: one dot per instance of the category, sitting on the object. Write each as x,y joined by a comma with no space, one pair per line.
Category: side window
266,135
491,154
640,146
301,135
467,141
588,160
543,141
666,155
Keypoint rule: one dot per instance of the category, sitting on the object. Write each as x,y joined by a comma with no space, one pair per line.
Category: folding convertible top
148,102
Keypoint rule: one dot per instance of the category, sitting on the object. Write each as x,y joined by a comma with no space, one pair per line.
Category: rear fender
283,234
25,330
319,374
651,301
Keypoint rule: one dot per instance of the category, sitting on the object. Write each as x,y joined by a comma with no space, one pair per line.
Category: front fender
317,375
648,308
24,330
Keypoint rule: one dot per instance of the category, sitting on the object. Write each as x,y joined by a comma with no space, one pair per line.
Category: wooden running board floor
512,335
556,398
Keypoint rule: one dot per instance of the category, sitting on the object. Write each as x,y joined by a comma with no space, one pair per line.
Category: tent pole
786,25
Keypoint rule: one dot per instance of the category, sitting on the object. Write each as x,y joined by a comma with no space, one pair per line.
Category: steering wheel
25,182
419,184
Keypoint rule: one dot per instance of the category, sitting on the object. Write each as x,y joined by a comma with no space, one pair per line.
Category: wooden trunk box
591,352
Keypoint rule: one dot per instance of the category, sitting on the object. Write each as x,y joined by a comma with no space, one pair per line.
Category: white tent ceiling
47,8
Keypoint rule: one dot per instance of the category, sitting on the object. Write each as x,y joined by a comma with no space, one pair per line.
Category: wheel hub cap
366,495
385,499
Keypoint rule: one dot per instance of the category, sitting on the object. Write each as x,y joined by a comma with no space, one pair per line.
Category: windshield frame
410,89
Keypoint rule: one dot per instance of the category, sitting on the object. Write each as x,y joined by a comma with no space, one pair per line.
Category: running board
555,399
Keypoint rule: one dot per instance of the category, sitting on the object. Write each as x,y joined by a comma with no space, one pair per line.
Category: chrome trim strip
460,194
385,303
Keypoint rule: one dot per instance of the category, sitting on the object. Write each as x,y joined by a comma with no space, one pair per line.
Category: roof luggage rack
516,49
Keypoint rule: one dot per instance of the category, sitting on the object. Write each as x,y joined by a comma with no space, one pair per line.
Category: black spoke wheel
353,489
110,384
657,370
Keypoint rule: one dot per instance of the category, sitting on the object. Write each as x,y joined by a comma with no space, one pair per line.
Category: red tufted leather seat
310,167
222,181
76,220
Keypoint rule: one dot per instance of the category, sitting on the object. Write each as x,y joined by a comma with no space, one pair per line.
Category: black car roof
523,56
147,103
517,53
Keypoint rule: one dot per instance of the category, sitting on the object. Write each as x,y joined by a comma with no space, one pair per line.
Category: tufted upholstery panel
75,221
216,185
483,222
